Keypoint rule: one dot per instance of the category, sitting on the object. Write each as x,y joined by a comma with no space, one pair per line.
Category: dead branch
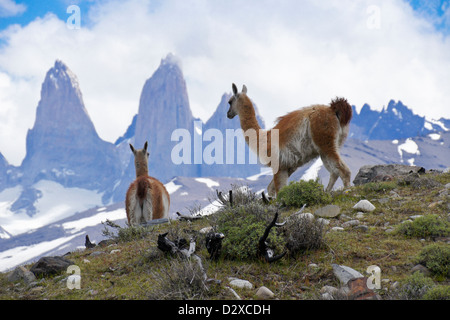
222,199
265,199
263,247
188,218
167,245
214,244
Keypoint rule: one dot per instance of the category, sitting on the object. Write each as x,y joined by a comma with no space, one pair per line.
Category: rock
415,216
329,211
96,253
337,229
362,228
345,274
305,215
313,265
47,266
394,194
344,217
364,205
21,273
384,172
327,296
360,291
422,269
264,293
114,251
323,221
351,223
242,284
329,289
206,230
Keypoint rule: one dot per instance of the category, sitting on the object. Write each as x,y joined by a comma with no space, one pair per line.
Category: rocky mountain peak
63,144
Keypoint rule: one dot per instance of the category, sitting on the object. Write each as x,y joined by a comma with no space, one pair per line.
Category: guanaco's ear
244,89
145,146
235,91
132,148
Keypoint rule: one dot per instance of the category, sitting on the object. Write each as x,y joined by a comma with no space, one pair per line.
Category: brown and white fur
147,198
303,135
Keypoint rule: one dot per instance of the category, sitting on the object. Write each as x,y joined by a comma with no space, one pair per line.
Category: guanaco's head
237,101
140,159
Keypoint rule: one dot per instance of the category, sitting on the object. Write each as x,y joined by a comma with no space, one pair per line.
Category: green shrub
130,233
243,226
381,186
415,286
436,257
298,193
438,293
427,226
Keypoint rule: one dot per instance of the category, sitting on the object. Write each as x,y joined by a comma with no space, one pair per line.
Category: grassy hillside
130,266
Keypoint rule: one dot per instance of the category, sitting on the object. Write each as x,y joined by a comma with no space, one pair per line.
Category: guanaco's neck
141,169
247,117
248,120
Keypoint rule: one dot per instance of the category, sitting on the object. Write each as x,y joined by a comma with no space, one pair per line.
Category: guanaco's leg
280,180
337,168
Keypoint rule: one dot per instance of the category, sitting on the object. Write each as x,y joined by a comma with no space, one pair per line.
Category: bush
427,226
415,286
303,234
181,279
438,293
243,226
298,193
436,257
131,233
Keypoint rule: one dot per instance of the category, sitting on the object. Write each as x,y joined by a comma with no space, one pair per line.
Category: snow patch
171,187
55,204
78,225
436,122
209,182
434,136
211,208
18,255
409,146
313,172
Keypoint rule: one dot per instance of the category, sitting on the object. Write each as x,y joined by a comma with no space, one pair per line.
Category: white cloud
8,8
289,54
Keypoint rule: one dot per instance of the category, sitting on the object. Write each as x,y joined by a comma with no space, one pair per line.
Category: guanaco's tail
142,186
343,110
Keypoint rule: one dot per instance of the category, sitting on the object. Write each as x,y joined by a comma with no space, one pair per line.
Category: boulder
241,284
329,211
384,172
48,266
21,273
345,274
264,293
364,205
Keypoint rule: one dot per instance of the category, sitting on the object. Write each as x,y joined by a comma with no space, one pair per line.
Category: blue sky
289,54
432,10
